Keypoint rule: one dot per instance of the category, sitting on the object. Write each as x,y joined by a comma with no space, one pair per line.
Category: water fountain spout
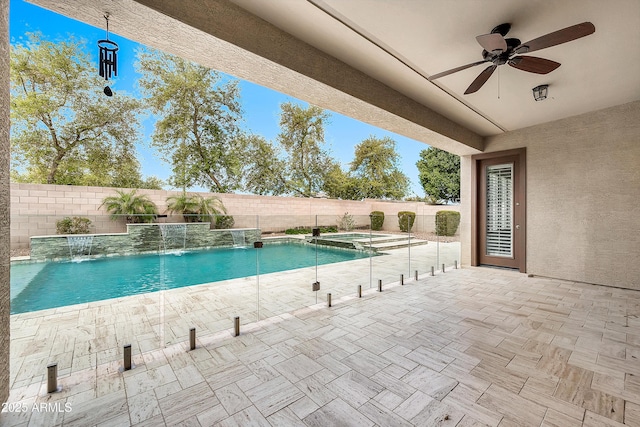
79,246
174,236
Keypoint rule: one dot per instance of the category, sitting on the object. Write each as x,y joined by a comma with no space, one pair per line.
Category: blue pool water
38,286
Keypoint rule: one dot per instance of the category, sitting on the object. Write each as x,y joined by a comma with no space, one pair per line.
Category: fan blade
455,70
533,64
557,37
481,79
492,42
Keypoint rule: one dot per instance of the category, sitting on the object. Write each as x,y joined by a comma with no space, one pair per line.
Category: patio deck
467,347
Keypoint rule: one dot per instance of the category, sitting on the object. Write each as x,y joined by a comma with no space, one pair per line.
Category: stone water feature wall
143,238
35,208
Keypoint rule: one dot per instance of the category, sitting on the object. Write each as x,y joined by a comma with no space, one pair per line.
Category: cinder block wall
35,208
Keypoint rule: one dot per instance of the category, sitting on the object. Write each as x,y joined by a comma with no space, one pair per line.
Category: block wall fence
35,208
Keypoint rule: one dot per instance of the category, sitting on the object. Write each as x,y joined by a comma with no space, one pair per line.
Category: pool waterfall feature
174,236
79,246
239,238
140,239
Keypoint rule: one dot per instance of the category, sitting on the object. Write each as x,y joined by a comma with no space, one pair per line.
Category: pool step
375,242
395,244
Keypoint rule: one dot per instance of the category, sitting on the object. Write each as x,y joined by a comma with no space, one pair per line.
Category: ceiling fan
500,51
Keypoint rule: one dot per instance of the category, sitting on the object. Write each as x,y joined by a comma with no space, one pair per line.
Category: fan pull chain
498,82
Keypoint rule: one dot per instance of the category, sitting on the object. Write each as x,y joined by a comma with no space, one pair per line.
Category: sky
261,106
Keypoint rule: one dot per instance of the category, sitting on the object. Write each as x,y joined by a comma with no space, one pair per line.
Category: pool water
38,286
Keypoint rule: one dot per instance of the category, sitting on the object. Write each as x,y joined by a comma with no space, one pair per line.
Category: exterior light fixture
108,58
540,92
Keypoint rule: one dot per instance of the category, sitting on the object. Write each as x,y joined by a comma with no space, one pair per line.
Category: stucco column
465,210
4,200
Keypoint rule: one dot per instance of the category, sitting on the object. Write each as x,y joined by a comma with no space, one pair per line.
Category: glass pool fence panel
424,250
287,263
346,260
209,275
448,238
393,247
128,262
78,283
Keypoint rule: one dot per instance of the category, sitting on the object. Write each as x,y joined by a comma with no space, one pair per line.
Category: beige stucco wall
4,200
35,208
583,182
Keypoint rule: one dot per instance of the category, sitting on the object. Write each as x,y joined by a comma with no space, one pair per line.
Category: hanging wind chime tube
108,65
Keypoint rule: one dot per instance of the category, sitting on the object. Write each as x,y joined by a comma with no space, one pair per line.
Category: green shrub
75,225
377,219
447,223
308,230
406,220
297,230
224,221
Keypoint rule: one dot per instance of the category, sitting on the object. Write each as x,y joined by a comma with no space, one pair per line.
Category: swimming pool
37,286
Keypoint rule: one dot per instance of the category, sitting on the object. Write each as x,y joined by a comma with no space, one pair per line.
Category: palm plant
136,208
209,207
195,208
183,204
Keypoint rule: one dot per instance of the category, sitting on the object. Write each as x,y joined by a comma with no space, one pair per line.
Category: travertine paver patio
467,347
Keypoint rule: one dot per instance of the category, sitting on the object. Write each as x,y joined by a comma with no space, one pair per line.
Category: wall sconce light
540,92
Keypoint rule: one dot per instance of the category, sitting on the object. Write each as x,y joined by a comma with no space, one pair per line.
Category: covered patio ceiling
371,60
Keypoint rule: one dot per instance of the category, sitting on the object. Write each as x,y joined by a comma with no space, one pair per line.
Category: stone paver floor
475,346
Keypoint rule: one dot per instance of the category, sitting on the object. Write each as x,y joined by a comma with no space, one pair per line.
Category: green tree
136,208
151,183
64,130
374,173
301,137
341,184
197,126
439,173
265,170
376,166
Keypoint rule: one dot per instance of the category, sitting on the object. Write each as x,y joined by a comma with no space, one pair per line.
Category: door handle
517,226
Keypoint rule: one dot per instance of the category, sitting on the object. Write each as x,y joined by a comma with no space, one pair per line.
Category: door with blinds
500,207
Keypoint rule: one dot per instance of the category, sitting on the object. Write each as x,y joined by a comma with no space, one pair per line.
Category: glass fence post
370,251
257,249
438,227
409,241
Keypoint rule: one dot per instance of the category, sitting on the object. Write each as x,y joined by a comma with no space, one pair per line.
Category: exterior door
500,204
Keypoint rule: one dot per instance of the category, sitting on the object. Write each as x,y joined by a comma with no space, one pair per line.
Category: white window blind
499,230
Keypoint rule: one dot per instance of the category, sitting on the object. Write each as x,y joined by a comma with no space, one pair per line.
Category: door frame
520,217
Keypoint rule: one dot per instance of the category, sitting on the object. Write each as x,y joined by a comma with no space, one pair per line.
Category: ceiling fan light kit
499,51
540,92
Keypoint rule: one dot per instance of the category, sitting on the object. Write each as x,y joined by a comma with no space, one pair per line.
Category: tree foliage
296,163
374,173
197,127
265,171
439,173
341,184
64,129
302,138
377,170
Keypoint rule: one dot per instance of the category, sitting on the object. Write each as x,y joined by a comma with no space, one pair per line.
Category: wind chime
108,58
